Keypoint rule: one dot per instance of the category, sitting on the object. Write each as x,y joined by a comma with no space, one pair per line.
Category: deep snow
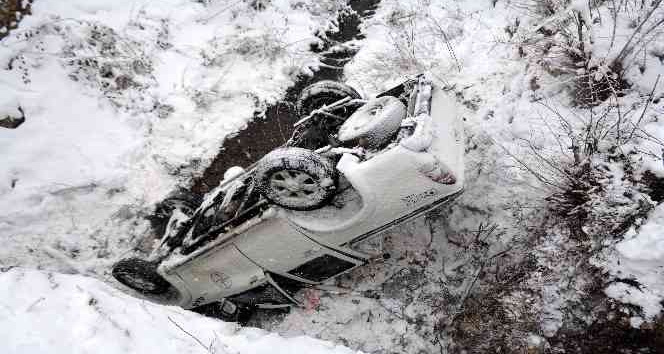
51,313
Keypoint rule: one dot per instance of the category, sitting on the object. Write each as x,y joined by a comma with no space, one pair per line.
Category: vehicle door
279,247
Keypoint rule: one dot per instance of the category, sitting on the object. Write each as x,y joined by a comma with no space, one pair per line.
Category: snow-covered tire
323,93
183,199
140,275
296,178
376,121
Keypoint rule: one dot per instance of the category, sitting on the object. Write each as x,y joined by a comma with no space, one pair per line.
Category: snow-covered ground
50,313
126,99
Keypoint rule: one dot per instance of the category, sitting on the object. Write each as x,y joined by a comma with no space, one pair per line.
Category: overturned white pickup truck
296,218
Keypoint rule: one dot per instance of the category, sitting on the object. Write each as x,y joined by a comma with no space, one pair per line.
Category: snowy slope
124,100
51,313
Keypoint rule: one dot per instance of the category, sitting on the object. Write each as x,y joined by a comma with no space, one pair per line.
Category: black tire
296,178
323,93
140,275
182,199
187,201
375,122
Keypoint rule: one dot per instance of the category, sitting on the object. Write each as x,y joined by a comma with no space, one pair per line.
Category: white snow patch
640,257
53,313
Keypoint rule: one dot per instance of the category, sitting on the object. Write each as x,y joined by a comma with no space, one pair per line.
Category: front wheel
296,178
140,275
375,122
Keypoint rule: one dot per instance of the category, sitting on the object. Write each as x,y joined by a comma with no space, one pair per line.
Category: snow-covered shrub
593,184
415,35
247,43
115,64
11,112
595,47
484,269
102,58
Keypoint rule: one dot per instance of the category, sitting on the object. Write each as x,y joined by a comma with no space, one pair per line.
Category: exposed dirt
273,127
609,336
655,186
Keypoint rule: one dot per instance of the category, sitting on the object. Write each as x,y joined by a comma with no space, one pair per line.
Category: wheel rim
136,282
294,186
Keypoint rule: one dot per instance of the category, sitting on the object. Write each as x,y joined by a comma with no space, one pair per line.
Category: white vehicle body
278,246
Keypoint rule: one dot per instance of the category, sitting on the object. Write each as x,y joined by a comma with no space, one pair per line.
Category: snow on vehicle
297,217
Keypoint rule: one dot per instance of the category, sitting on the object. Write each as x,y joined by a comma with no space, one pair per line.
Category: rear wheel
140,275
323,93
296,178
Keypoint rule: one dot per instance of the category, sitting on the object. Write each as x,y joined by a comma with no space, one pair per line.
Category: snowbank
640,258
54,313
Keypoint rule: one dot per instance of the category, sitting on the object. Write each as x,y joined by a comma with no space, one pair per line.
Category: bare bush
566,43
258,46
417,33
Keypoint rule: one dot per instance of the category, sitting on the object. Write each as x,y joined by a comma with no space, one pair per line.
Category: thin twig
529,169
190,335
627,45
638,123
469,289
570,132
649,136
547,161
205,20
554,134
